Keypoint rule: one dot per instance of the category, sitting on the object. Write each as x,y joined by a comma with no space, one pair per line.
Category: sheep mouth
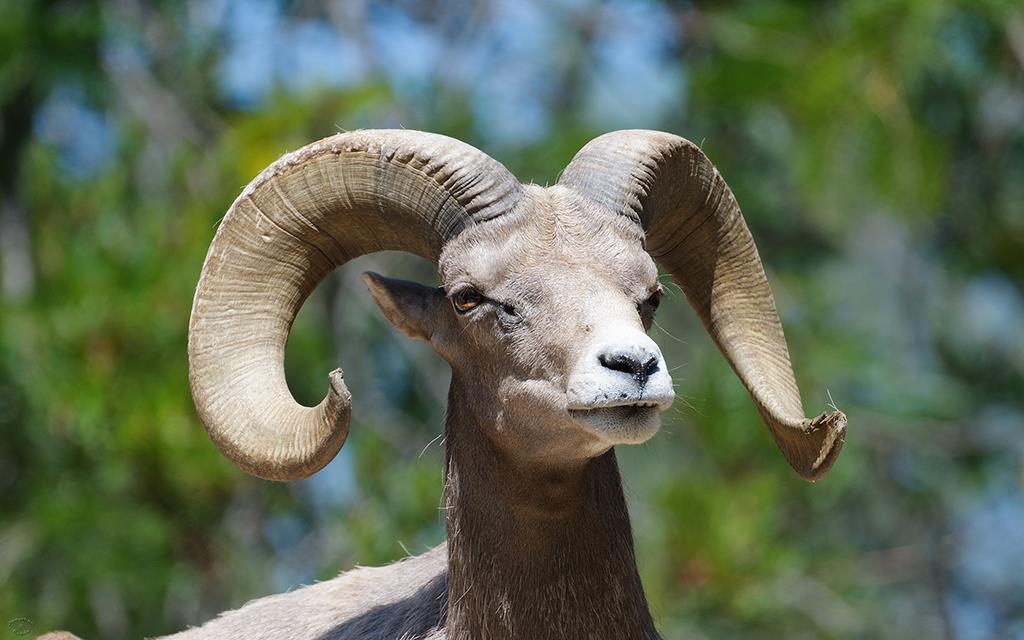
623,410
630,423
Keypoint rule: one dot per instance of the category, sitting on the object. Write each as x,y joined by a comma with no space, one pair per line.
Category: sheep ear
409,306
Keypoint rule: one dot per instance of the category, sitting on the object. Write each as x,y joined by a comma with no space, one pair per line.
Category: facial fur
542,315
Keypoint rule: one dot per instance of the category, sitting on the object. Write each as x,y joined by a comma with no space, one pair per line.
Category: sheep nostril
618,362
639,369
650,366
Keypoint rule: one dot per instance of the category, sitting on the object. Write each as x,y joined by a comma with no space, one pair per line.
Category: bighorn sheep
545,298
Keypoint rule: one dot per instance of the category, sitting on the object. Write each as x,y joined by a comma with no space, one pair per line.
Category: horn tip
290,464
830,429
338,387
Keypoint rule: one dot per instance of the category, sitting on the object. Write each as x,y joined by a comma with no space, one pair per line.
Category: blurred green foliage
877,148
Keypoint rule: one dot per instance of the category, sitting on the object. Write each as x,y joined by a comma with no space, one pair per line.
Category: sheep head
546,294
542,314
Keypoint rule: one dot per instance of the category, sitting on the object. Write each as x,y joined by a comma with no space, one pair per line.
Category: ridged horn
695,230
307,213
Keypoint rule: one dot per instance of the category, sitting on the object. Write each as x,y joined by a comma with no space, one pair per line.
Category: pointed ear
409,306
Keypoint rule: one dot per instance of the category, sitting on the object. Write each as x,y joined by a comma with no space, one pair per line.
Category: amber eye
466,299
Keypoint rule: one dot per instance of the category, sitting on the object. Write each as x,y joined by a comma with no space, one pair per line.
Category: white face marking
620,385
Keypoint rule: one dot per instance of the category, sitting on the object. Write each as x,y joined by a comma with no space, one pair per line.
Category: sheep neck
536,551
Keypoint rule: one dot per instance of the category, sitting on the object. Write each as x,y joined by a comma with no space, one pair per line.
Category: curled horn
694,228
309,212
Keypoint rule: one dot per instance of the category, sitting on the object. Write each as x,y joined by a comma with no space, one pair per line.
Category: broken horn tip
834,421
338,387
835,437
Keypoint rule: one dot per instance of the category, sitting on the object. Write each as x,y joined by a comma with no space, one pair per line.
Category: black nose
640,365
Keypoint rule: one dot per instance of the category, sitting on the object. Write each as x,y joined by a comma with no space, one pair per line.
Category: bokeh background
876,146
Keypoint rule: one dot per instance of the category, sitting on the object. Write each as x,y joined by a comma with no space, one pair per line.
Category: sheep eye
466,299
655,298
652,301
647,308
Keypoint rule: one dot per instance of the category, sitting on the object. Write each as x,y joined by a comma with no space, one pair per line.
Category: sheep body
545,299
405,600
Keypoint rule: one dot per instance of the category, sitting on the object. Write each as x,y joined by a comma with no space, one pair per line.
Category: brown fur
539,543
545,297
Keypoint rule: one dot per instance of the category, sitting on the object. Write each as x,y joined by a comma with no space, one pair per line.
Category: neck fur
536,551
